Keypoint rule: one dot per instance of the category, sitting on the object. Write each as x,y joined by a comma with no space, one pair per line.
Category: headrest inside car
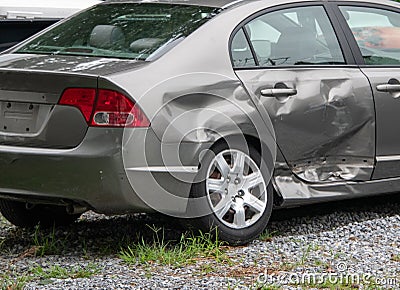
107,36
144,43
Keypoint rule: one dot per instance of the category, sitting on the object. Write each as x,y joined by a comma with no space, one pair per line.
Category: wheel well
256,143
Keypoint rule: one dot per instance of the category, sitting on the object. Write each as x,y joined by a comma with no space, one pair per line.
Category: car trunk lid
30,89
29,115
68,63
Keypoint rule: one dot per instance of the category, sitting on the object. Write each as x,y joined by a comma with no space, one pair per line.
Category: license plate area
18,118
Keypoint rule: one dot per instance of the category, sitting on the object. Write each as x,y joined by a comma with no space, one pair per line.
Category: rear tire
20,215
239,199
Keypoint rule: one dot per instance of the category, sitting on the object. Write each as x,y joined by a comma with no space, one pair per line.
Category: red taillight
107,109
81,98
114,109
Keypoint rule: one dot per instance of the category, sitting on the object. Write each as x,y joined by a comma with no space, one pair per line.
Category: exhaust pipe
76,209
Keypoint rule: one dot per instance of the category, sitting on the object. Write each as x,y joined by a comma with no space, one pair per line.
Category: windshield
123,30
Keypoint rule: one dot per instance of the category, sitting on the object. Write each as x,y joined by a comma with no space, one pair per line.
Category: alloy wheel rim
236,189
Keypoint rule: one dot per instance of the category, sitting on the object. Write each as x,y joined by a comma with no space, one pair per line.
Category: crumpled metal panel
326,132
330,169
295,192
202,108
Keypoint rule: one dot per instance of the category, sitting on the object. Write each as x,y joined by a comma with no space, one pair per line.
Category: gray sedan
214,112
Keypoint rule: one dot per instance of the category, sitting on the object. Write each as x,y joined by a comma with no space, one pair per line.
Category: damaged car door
374,32
297,67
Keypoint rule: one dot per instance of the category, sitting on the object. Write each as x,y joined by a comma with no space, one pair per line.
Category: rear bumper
93,174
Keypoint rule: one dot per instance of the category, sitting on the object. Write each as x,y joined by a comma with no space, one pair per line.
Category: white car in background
20,19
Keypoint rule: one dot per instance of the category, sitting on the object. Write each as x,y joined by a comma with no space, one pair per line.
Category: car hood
65,63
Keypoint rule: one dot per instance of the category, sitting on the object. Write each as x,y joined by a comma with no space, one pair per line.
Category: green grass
395,258
46,243
186,251
58,272
206,269
13,283
267,235
304,256
2,241
306,252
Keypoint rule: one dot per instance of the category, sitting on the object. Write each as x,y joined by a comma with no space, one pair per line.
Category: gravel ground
344,241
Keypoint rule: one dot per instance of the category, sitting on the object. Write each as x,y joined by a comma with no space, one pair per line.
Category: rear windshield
123,30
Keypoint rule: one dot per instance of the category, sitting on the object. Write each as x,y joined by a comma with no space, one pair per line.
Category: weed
188,249
13,283
286,266
2,242
206,269
267,235
85,249
58,272
305,255
47,243
264,287
395,258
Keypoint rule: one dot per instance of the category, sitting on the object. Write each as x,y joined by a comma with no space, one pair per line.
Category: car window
294,18
241,52
295,36
122,30
377,32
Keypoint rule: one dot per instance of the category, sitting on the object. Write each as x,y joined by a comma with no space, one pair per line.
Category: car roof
232,3
209,3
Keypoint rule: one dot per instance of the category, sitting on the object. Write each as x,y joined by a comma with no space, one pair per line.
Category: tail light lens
83,99
105,108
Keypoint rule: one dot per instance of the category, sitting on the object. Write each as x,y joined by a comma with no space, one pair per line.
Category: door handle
388,88
278,92
392,86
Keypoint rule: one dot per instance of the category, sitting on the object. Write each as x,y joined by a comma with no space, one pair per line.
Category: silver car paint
387,106
207,71
341,145
353,132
